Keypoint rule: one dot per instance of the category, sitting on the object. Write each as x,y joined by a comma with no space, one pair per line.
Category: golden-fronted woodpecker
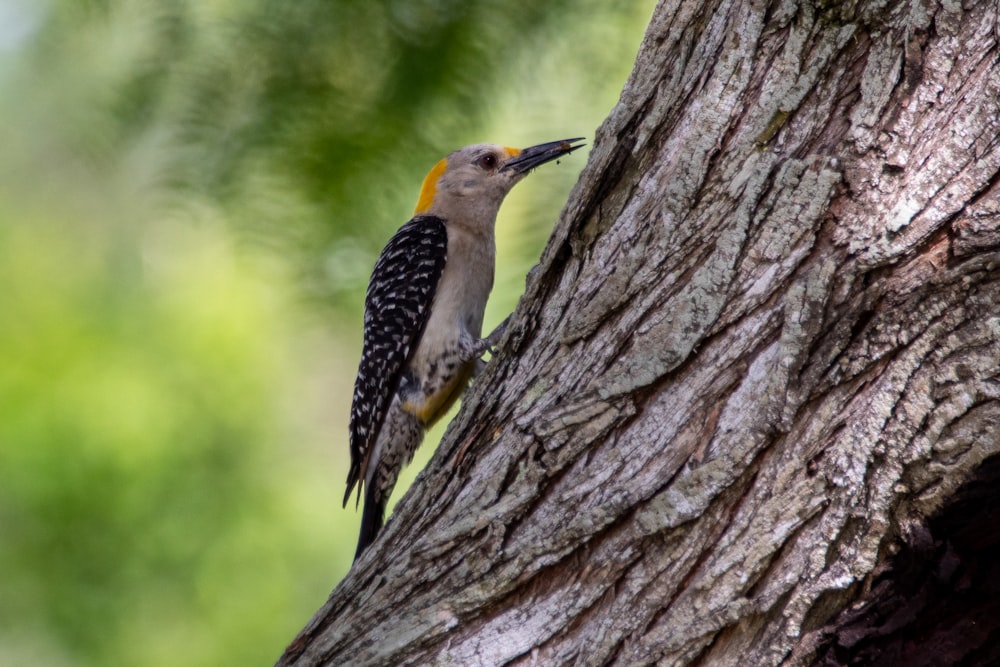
424,314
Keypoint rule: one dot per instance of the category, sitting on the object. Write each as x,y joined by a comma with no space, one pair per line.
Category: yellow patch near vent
434,407
429,188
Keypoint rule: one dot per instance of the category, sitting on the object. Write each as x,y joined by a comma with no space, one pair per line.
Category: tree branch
759,349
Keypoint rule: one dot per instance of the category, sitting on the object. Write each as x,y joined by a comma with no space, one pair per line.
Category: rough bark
938,602
760,350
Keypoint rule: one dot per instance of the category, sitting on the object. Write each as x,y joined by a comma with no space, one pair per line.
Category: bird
423,314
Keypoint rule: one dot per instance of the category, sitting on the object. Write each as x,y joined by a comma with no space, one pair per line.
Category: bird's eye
488,161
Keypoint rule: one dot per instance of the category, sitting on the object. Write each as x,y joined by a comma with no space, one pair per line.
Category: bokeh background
192,196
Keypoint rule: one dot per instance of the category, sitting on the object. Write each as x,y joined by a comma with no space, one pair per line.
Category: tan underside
434,407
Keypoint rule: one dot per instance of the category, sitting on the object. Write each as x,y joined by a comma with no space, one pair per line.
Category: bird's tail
371,521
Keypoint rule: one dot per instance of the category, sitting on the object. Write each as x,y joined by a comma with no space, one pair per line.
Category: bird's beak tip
533,156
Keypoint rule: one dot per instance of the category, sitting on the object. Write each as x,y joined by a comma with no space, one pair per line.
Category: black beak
531,157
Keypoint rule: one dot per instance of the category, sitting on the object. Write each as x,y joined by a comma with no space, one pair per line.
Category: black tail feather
371,521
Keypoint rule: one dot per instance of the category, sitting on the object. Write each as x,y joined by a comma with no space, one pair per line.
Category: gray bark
760,350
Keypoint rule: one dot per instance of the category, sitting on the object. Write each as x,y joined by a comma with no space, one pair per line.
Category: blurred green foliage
192,195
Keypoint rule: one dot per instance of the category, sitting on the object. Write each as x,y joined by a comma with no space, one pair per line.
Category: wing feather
397,306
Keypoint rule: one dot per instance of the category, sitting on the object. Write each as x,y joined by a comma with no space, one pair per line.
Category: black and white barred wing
397,306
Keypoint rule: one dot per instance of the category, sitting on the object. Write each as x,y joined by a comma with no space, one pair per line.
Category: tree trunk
759,352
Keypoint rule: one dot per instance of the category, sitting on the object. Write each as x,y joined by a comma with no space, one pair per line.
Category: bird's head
469,185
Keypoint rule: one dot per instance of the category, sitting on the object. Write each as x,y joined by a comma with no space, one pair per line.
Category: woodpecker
424,314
